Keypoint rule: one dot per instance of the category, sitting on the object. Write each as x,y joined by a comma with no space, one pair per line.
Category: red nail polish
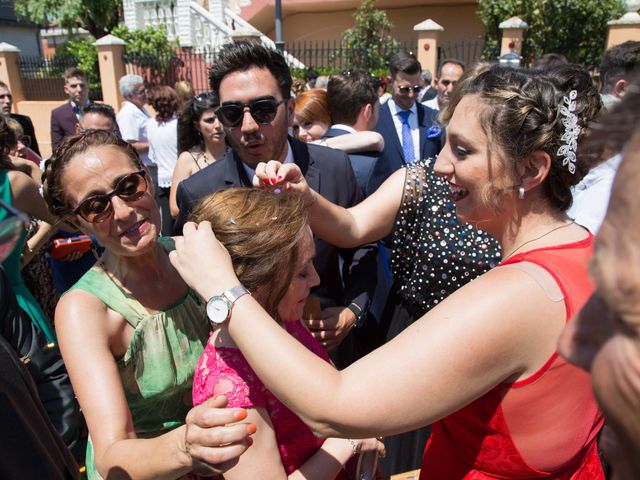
273,181
280,178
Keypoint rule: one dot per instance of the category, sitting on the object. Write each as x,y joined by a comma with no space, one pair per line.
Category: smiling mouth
457,193
134,230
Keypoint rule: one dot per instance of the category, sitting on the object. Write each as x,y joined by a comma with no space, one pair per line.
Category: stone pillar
10,70
184,27
512,35
111,63
625,28
428,33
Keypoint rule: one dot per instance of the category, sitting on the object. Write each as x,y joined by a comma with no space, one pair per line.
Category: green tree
98,17
147,47
367,46
573,28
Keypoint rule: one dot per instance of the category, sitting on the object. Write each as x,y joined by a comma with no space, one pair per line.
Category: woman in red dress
482,365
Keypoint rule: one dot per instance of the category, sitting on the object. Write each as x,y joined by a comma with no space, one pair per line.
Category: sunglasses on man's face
405,89
263,111
97,208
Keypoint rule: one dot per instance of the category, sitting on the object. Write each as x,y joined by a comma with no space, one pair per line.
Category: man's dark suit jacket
392,157
361,162
63,123
329,173
27,127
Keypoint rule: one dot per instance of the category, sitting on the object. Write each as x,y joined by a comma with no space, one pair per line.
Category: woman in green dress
130,330
20,190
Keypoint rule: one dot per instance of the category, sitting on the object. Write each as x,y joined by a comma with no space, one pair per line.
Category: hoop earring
521,193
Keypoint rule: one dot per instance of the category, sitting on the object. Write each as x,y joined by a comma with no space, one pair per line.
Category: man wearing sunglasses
403,122
253,84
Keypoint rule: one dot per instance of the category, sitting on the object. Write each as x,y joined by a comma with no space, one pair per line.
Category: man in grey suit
409,128
256,109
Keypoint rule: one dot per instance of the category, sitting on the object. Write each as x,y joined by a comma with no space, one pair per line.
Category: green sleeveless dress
158,366
11,267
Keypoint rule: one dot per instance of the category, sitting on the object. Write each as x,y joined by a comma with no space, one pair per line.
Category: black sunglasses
405,89
263,111
204,96
97,208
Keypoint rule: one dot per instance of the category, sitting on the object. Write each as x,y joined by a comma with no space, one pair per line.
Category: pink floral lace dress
224,370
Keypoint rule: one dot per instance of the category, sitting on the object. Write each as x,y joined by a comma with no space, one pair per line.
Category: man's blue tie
407,139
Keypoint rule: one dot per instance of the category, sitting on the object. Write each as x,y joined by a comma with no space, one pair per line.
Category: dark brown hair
262,231
348,93
8,141
164,101
53,189
74,72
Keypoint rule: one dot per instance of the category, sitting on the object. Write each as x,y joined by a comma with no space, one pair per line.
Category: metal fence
469,51
332,53
42,78
174,67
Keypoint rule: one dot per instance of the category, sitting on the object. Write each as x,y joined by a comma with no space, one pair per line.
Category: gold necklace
536,238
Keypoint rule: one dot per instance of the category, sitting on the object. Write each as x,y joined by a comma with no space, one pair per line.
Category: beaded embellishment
433,253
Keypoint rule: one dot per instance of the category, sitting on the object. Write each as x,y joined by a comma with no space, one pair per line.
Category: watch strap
235,293
357,311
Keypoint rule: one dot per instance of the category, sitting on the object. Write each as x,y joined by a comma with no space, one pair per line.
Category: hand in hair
289,177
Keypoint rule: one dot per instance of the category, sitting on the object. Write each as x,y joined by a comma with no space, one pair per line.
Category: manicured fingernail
240,414
251,428
249,441
280,178
273,181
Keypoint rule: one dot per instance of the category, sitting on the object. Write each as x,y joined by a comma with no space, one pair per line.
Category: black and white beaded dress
433,255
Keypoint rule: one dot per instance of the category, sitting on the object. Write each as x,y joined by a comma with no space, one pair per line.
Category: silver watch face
218,309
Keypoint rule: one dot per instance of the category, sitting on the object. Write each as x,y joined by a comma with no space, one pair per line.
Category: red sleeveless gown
544,426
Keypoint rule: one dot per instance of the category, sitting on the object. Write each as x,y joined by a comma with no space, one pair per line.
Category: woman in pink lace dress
272,252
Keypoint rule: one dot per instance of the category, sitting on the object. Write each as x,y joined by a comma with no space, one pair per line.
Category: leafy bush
368,45
575,29
148,47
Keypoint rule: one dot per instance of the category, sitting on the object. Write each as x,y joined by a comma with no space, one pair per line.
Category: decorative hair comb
571,131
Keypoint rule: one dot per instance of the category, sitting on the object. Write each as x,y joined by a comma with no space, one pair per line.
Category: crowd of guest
338,277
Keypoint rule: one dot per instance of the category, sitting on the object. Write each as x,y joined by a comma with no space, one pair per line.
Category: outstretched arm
445,360
369,221
263,460
365,141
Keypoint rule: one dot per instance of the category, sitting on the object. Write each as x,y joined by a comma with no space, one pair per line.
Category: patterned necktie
407,139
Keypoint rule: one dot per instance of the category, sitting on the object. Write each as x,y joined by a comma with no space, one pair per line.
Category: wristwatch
357,311
219,306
